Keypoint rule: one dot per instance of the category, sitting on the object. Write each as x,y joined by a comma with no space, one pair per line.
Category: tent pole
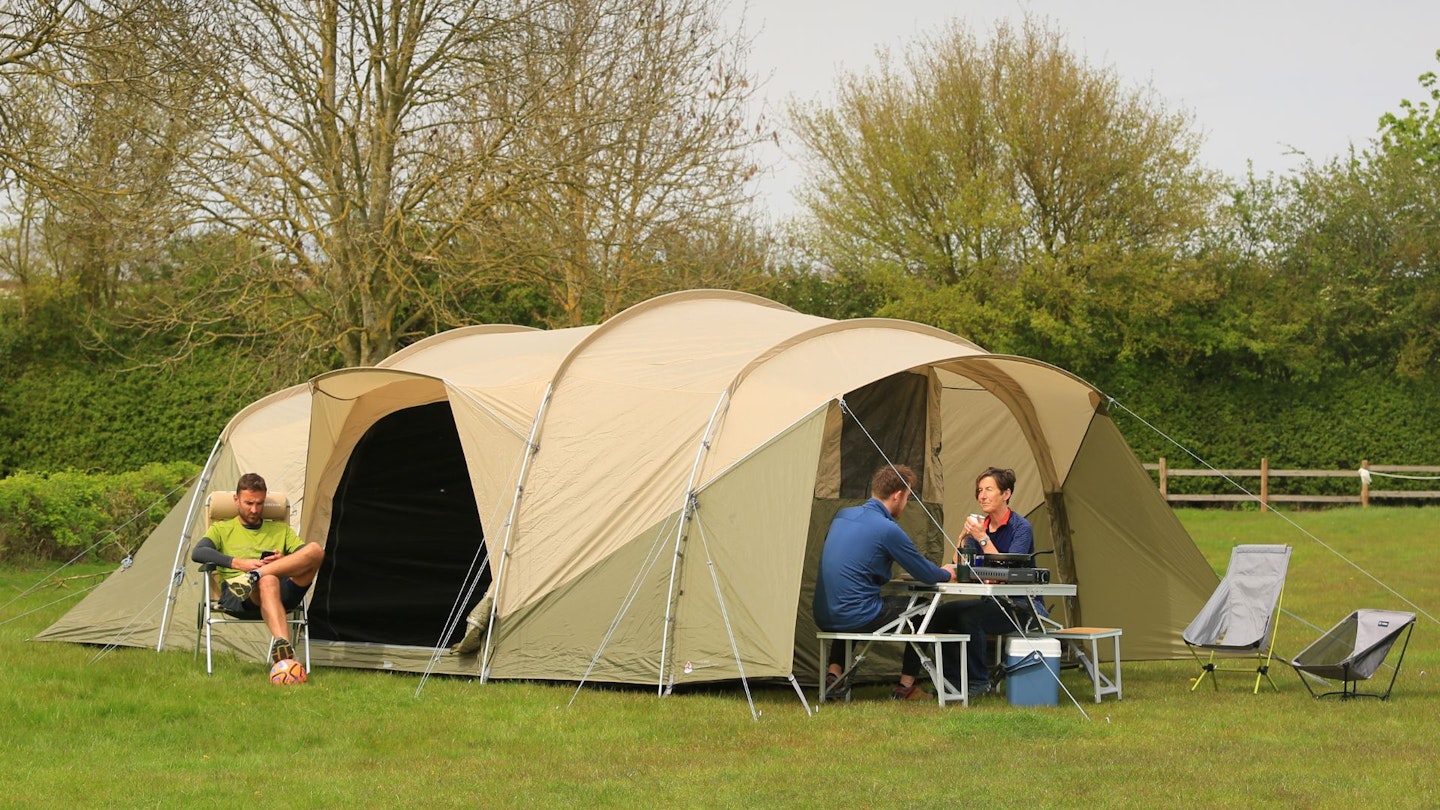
531,448
725,617
686,511
176,573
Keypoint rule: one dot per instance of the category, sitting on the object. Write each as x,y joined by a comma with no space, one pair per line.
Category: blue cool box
1034,671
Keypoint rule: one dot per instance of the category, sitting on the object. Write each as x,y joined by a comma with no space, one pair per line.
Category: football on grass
288,671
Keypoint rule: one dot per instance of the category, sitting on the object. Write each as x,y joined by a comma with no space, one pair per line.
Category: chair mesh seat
1354,649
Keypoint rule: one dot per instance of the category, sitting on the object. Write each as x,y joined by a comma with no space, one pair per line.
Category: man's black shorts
291,595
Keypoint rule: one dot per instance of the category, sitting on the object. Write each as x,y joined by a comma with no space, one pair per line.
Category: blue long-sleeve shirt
860,547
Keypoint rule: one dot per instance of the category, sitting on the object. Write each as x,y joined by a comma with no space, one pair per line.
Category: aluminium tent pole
530,449
478,564
686,511
725,617
176,572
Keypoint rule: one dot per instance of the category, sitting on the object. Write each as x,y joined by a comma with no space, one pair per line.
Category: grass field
135,729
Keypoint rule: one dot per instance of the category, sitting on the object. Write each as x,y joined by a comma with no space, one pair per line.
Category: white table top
985,589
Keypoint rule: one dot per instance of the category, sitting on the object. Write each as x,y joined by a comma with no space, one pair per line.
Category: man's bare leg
301,567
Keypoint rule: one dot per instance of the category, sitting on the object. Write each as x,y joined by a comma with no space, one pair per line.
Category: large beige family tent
646,499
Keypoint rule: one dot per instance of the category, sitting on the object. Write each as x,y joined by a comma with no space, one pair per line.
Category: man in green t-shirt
264,564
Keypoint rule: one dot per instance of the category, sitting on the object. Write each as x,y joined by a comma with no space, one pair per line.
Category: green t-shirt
231,537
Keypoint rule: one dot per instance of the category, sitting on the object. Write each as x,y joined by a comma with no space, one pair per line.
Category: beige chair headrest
221,506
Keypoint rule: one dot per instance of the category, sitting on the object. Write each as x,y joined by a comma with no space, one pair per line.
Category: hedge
1332,424
68,515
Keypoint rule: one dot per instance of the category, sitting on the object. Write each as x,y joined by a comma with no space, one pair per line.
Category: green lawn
132,728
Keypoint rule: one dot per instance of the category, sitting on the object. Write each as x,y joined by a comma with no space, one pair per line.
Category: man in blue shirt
862,544
997,530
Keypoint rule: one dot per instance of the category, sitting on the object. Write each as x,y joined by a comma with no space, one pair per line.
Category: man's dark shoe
243,586
911,692
979,689
837,689
280,650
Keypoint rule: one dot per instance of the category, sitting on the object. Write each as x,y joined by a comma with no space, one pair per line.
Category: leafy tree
1011,192
1343,256
1415,132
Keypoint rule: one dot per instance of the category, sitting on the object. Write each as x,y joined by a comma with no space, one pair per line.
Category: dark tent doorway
404,536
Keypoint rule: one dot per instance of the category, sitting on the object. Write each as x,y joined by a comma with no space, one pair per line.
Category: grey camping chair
1353,650
1241,615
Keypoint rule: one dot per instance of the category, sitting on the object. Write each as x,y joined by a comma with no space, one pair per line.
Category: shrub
65,515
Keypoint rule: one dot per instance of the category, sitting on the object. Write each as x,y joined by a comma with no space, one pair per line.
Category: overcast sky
1262,78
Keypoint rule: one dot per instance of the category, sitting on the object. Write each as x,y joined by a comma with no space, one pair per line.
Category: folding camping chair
1242,613
1353,650
221,506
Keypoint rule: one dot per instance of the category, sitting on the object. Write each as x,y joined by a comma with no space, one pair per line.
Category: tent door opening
404,534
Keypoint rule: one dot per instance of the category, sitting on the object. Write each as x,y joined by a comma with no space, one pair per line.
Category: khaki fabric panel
624,428
1051,407
934,484
270,438
793,382
827,478
126,608
361,398
978,431
327,425
494,447
494,360
750,532
448,348
1137,568
595,484
557,636
326,653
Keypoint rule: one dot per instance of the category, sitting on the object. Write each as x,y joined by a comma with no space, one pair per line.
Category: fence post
1364,485
1264,485
1164,487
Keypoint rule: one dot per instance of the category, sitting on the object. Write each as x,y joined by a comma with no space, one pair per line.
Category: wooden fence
1364,493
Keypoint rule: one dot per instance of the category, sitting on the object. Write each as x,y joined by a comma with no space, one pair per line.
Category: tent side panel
556,636
1136,566
125,608
748,536
979,431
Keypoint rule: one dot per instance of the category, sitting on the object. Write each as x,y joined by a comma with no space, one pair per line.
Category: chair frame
1264,654
211,614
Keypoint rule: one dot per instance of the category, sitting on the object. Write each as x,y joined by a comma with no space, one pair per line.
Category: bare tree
100,105
370,167
334,158
397,156
641,124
